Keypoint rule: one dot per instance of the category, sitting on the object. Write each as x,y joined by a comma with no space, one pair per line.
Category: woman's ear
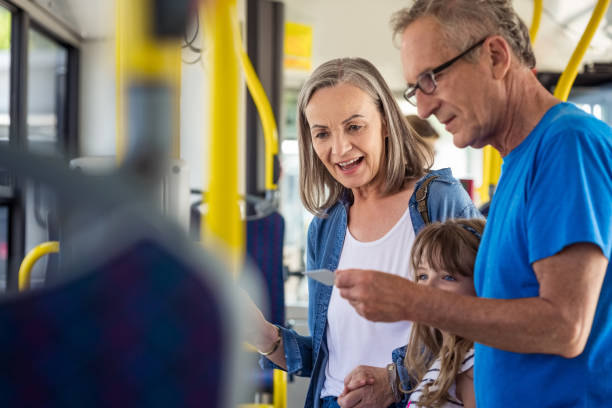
384,128
499,55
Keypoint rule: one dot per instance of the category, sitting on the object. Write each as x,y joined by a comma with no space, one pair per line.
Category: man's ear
499,55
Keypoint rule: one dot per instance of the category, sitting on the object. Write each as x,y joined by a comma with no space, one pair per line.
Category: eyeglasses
426,81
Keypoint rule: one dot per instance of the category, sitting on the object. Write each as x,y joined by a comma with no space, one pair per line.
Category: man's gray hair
467,21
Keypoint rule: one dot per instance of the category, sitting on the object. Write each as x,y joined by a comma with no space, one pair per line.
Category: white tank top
351,339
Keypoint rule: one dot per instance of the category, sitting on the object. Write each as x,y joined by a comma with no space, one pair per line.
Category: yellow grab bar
30,259
140,58
280,389
491,170
535,20
223,220
263,107
566,80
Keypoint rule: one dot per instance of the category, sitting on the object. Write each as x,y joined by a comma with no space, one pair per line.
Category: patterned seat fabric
143,330
265,247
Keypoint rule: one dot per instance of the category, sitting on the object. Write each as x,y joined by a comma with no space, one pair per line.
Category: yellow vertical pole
141,58
223,221
535,20
280,389
491,170
566,80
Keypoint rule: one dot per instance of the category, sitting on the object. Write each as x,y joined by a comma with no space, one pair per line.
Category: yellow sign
298,46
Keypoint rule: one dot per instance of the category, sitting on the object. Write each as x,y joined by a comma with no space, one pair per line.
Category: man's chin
460,142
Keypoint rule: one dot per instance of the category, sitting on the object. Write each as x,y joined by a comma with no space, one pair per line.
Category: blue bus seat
141,329
264,245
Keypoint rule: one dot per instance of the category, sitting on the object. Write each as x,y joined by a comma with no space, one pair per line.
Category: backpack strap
421,198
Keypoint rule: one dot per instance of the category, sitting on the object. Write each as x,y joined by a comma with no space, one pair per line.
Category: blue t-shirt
555,190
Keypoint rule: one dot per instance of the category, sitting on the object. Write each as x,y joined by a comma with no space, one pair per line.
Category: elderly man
543,321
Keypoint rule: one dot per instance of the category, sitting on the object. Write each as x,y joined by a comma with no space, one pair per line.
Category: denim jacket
307,355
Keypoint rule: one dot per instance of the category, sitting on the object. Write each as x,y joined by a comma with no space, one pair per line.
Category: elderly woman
360,165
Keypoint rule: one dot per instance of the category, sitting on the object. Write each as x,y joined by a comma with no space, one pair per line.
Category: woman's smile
350,166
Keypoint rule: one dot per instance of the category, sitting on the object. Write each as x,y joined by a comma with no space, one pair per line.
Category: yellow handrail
491,170
30,259
568,77
263,107
140,58
280,389
535,20
223,220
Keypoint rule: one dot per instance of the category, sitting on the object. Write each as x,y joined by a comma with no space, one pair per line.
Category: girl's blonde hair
450,246
407,156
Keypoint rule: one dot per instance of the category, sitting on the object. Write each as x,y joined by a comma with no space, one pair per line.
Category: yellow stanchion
280,389
491,171
568,77
535,20
141,58
25,270
223,220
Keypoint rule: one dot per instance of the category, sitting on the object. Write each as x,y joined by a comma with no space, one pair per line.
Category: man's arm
558,321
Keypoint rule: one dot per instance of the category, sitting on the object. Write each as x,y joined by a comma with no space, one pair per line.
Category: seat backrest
143,329
265,247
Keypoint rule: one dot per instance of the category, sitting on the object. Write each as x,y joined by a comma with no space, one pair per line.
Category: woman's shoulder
441,185
444,175
446,197
330,216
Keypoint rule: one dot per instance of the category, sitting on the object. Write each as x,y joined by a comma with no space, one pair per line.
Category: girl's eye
421,277
449,278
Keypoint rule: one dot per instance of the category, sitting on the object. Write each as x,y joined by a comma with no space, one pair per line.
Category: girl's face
347,134
457,283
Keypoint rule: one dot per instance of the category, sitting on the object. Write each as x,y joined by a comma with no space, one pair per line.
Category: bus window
47,67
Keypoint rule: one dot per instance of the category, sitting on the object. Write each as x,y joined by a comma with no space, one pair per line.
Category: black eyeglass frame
410,90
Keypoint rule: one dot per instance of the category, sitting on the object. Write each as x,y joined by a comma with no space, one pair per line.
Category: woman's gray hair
466,21
406,156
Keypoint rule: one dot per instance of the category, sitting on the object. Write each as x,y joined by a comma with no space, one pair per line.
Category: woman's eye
354,128
320,135
449,278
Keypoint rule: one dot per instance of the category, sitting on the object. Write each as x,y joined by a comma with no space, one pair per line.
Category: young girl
441,363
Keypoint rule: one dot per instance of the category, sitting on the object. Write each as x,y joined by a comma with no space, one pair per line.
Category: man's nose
426,104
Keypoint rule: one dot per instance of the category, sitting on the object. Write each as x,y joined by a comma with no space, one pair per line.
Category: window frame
26,16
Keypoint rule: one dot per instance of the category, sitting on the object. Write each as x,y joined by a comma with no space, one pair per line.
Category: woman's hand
260,333
366,387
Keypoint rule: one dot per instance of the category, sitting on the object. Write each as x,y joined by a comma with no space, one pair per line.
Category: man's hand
377,296
366,387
